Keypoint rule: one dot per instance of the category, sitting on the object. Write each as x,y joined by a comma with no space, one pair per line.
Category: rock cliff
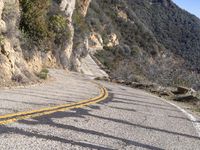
27,48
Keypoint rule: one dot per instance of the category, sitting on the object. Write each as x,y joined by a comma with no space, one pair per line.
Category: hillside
141,41
156,41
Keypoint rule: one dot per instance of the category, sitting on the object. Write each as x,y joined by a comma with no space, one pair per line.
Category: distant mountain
176,29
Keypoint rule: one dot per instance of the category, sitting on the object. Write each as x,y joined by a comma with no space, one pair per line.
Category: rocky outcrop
77,46
80,41
95,42
12,63
112,40
68,7
18,62
2,23
83,6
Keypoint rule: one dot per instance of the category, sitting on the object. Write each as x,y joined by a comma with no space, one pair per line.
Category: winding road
73,112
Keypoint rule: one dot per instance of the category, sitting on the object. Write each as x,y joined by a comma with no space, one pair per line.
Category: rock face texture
68,7
19,63
12,64
83,6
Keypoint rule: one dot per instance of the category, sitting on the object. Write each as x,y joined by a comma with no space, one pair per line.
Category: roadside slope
90,67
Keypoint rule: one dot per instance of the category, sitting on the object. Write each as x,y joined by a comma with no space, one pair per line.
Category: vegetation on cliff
158,41
43,23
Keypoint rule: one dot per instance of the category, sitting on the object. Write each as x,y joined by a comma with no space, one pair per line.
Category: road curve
128,119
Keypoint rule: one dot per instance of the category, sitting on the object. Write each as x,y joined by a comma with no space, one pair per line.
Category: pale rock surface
112,40
95,42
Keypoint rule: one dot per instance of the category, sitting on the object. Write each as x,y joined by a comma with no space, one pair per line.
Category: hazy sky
192,6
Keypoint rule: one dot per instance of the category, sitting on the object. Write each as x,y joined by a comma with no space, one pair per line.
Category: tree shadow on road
49,137
81,113
77,113
49,120
120,100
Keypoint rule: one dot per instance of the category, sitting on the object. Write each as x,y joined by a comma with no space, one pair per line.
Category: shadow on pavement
83,113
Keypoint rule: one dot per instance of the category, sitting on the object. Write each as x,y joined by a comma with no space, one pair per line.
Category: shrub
43,25
17,78
43,74
1,40
58,24
79,22
33,20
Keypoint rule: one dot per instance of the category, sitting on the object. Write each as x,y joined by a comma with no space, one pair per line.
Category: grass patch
43,74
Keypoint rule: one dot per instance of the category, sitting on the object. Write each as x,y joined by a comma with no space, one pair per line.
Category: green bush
1,40
45,70
58,24
43,25
43,74
33,20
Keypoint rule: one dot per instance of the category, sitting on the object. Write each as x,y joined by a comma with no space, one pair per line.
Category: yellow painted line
9,118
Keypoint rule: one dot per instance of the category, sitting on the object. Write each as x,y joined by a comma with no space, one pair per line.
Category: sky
192,6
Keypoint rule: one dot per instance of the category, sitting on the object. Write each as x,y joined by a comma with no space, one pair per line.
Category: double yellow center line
9,118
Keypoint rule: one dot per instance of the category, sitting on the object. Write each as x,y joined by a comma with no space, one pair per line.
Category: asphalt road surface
127,119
